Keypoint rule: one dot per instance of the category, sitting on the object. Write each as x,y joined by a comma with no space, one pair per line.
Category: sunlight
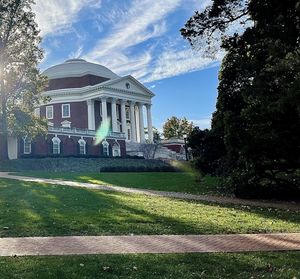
103,131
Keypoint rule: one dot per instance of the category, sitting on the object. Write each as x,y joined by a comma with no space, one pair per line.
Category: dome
78,68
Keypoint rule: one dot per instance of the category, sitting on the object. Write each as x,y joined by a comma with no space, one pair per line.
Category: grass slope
188,182
35,209
188,266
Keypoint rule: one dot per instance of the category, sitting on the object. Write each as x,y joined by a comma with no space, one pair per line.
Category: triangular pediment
128,84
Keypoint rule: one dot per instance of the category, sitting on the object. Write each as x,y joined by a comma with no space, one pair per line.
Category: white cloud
173,62
144,20
57,16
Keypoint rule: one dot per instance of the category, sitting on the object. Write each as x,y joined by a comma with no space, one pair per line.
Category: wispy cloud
54,16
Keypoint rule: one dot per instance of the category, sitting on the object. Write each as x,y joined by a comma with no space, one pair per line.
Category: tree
258,107
177,128
20,80
208,150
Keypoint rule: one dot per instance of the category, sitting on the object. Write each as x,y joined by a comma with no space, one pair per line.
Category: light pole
185,147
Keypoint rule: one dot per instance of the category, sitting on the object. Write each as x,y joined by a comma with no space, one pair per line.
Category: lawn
35,209
188,266
188,182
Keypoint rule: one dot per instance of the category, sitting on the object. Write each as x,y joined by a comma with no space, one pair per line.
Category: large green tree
258,107
20,79
177,128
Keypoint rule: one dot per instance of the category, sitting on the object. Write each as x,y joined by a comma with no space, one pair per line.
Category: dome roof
78,68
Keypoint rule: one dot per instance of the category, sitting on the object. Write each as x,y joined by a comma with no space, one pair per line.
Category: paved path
89,245
178,195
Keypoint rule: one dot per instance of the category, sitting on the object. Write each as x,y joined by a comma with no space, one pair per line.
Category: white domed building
84,96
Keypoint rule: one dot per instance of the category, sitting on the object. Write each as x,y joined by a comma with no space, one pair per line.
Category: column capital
103,99
113,100
132,103
90,102
140,105
122,101
148,106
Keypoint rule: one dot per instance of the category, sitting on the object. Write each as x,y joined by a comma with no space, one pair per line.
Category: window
127,113
82,147
128,85
37,112
65,110
27,145
49,112
56,146
105,146
116,150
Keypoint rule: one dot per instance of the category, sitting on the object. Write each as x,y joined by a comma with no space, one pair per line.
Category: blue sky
137,37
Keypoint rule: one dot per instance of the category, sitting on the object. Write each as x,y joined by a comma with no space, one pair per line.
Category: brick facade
69,146
74,82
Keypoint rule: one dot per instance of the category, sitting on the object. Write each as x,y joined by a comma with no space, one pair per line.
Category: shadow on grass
35,209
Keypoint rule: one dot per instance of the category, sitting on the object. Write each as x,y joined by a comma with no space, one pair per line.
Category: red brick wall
79,115
74,82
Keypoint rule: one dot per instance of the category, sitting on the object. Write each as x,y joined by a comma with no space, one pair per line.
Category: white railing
82,132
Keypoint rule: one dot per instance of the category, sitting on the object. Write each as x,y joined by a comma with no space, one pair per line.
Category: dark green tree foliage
258,107
20,80
208,150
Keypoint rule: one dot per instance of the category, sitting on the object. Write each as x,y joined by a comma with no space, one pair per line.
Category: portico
125,115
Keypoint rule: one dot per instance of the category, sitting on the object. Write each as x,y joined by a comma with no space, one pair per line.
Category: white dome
78,68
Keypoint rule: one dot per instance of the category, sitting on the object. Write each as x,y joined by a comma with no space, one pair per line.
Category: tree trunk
3,147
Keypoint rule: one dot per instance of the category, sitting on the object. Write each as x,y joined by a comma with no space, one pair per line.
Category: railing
82,132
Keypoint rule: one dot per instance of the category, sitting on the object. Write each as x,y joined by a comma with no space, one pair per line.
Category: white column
104,108
123,118
149,122
114,115
132,122
91,115
141,122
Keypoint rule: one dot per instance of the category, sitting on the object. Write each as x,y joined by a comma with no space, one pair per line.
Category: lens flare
103,131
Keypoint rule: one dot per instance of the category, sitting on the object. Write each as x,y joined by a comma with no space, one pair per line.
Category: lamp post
185,147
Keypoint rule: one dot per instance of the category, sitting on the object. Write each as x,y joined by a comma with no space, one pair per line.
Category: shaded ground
189,266
36,209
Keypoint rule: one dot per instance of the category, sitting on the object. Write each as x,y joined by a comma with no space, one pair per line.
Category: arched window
82,147
27,145
105,146
56,145
116,150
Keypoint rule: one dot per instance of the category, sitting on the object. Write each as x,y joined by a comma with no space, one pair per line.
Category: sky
140,38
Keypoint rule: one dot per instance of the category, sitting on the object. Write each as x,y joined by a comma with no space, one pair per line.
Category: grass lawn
36,209
188,266
188,182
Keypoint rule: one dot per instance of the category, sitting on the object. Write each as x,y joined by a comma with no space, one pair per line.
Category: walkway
222,200
89,245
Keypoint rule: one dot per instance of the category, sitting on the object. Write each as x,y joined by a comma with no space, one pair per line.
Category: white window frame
66,124
27,143
105,146
62,111
47,111
82,143
56,140
116,147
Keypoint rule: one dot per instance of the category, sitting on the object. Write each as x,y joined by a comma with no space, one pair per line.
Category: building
85,96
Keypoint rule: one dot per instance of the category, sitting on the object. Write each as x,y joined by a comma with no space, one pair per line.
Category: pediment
128,84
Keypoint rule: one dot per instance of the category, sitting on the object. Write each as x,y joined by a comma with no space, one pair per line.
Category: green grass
188,266
35,209
188,182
